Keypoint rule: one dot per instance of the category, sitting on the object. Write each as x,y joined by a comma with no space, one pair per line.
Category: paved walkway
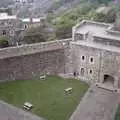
8,112
97,105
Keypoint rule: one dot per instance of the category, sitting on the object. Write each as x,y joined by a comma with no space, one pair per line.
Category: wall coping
34,48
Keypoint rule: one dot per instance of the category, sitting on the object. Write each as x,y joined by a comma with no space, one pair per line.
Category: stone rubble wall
29,61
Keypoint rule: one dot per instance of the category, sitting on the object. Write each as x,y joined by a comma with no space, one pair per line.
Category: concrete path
8,112
97,105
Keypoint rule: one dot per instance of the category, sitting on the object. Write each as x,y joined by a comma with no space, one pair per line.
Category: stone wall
79,63
105,41
104,62
28,61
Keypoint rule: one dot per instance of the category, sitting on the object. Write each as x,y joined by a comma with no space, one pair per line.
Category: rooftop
90,26
97,29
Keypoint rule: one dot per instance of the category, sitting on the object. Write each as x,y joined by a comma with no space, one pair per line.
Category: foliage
101,1
117,116
109,17
39,34
47,96
63,24
87,10
3,42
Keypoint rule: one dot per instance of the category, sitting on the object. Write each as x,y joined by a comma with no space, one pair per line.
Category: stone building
95,53
14,27
10,26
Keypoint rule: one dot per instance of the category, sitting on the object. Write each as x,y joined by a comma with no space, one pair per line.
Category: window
91,59
25,26
90,71
82,71
75,73
83,57
4,32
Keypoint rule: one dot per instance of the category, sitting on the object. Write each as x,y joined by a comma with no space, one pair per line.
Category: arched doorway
109,80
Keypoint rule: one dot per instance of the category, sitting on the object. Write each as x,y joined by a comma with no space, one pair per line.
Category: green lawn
47,96
117,116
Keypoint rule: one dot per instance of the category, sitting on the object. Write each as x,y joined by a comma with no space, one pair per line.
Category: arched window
83,57
91,59
90,71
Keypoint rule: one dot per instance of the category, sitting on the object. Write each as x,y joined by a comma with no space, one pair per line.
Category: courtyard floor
47,96
98,104
9,112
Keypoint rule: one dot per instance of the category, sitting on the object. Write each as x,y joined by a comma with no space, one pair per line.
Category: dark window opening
108,78
83,57
91,59
4,32
26,26
90,72
74,73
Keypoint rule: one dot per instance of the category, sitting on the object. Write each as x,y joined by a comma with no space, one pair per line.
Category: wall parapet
34,48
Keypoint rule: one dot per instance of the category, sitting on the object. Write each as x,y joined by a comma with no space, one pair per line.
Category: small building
8,26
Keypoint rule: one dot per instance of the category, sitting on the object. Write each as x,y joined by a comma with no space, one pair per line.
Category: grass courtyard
47,96
117,116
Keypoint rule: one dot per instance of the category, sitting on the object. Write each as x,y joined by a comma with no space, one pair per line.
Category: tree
110,16
41,33
100,17
102,1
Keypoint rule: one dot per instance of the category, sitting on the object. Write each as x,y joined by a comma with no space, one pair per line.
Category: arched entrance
109,80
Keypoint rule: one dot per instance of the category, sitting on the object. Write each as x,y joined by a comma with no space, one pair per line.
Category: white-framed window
90,71
91,60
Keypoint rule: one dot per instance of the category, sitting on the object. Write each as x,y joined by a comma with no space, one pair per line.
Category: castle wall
26,62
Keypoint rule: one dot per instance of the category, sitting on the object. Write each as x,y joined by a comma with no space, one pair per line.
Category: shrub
4,42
